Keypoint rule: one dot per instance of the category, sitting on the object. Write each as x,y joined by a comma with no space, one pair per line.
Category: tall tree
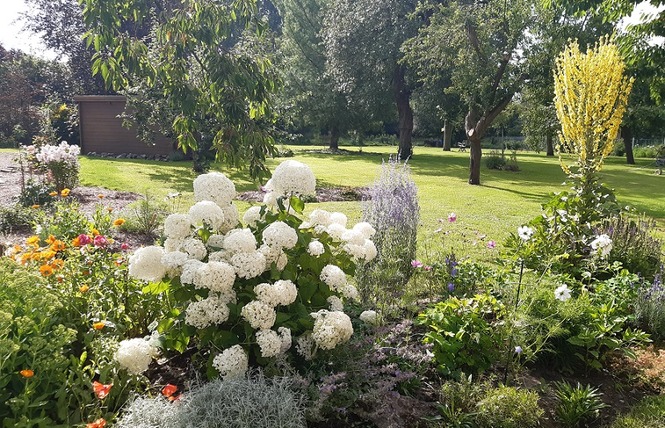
203,60
479,43
362,40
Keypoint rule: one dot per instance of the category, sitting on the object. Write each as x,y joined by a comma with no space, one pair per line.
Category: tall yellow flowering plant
591,93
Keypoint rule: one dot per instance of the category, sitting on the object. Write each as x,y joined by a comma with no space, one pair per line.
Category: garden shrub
247,294
59,162
464,333
15,217
35,193
652,152
145,216
508,407
495,160
253,402
393,210
650,307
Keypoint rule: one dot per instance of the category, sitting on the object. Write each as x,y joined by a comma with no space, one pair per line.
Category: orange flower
35,206
100,196
46,255
46,270
54,193
101,390
119,222
58,246
65,192
98,325
57,264
50,239
27,373
76,242
33,240
169,390
84,288
95,232
99,423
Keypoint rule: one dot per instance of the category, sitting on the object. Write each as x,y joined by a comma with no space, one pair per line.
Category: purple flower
451,287
416,264
452,217
518,350
453,272
491,245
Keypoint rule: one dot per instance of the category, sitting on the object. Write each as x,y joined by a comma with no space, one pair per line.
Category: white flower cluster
136,354
63,152
334,277
369,317
146,264
215,187
280,235
282,292
315,248
212,310
232,363
207,214
259,315
603,245
357,240
178,226
331,328
292,177
269,342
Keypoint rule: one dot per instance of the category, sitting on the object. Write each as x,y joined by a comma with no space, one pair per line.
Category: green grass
649,413
505,200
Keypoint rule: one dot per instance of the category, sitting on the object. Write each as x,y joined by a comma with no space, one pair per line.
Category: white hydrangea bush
270,286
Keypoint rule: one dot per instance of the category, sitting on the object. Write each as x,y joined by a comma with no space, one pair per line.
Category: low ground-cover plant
578,406
649,413
508,407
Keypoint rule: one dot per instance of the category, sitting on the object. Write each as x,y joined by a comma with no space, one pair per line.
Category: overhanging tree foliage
203,62
479,44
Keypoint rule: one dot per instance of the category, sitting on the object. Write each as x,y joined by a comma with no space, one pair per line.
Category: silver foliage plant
392,208
250,402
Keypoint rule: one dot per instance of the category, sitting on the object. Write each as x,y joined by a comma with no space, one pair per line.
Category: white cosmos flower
562,293
602,244
525,232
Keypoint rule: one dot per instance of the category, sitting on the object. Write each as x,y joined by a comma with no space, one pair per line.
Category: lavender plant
393,210
650,307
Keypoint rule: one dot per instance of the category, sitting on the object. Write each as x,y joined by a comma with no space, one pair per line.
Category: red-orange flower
35,206
99,423
57,264
169,390
27,373
98,325
51,239
58,245
101,390
54,193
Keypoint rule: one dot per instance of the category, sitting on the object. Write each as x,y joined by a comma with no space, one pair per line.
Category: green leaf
297,204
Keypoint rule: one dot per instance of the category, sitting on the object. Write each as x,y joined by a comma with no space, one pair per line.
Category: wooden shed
102,131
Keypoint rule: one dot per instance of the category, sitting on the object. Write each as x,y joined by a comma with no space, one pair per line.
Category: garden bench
462,146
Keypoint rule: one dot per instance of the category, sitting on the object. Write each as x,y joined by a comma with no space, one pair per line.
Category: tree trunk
549,142
402,98
334,138
447,136
475,156
627,134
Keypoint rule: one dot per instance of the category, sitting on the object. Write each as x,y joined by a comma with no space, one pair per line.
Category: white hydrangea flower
353,237
259,315
269,342
214,186
216,241
287,291
280,235
335,303
135,355
212,310
282,261
370,250
285,338
339,218
334,277
252,216
305,225
220,256
194,248
293,177
336,230
268,294
365,229
603,245
249,265
369,317
207,213
525,232
270,199
173,244
319,229
178,226
231,218
146,264
240,240
190,271
173,262
320,217
215,276
357,252
562,293
331,328
315,248
305,345
350,292
232,363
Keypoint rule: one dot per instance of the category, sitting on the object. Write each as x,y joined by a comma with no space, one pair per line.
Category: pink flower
452,217
427,268
84,239
491,244
100,241
124,246
416,264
